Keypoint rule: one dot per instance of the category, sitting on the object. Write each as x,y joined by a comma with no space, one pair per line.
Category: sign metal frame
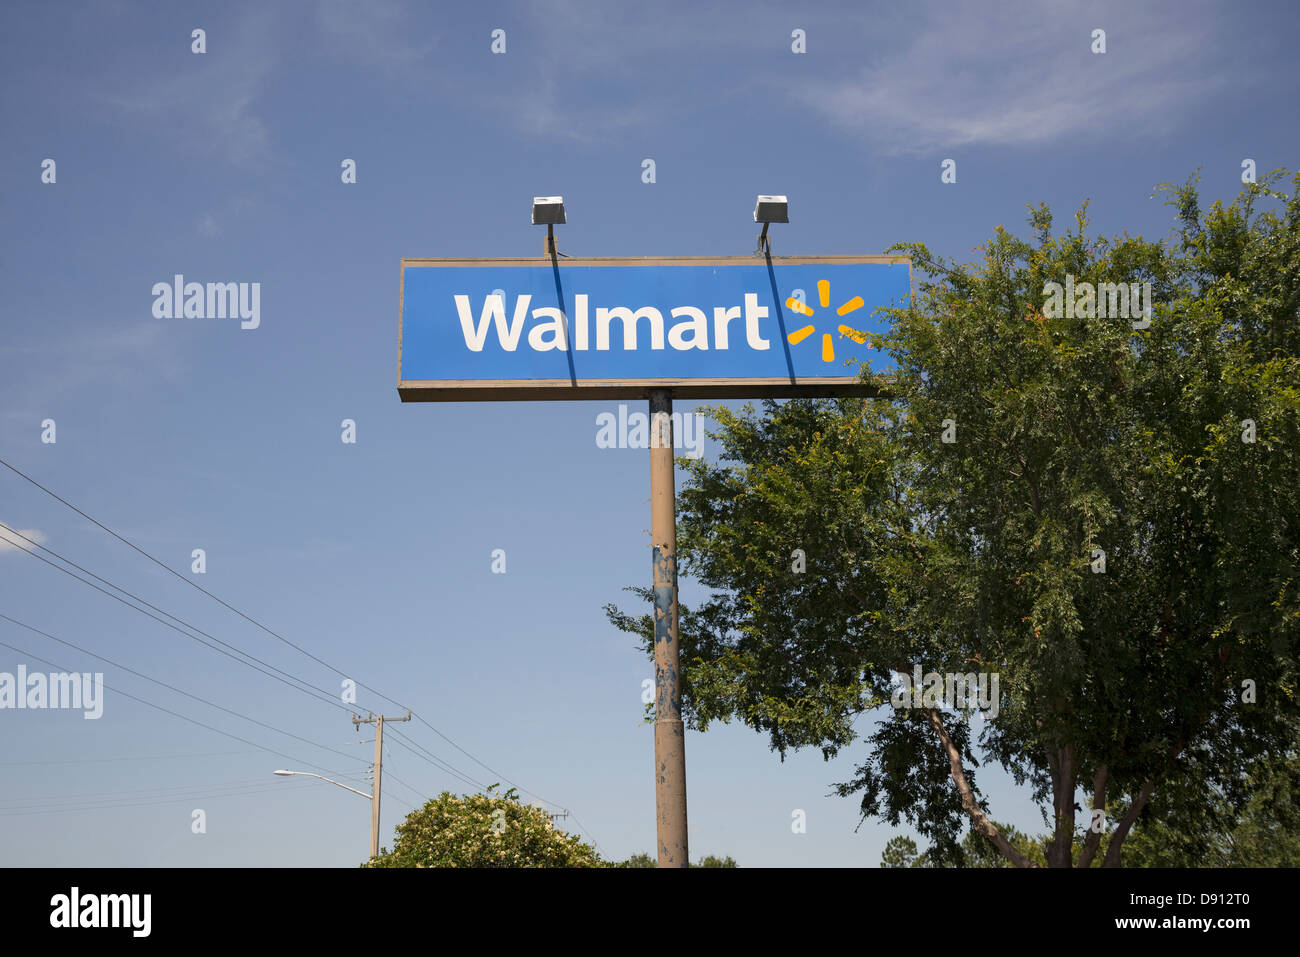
515,390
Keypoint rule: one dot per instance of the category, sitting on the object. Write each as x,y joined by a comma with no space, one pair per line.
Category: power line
497,774
159,791
278,636
425,754
62,558
422,752
191,582
178,800
187,694
328,698
184,794
140,757
271,789
594,843
160,795
412,745
176,714
415,791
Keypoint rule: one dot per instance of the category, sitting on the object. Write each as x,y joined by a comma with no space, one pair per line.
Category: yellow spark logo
824,295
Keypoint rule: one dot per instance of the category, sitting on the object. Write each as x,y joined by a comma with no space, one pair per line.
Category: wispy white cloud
12,543
377,33
125,357
117,356
545,109
606,68
576,71
1024,74
210,107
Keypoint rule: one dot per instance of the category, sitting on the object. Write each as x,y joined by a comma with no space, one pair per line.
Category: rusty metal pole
670,740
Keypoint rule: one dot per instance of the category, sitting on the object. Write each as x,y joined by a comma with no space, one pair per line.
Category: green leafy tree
1172,449
639,860
1265,833
900,851
483,830
646,860
975,850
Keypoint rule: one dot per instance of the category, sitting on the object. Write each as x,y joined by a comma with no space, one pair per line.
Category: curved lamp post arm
331,781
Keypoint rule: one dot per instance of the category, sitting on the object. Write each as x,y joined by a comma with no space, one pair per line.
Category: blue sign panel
591,328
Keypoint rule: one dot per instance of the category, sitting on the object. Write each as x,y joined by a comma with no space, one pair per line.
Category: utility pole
670,739
378,722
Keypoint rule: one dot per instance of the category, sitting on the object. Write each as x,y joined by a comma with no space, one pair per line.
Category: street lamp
769,209
331,781
372,798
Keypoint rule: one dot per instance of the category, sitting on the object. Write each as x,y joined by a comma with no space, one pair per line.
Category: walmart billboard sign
484,329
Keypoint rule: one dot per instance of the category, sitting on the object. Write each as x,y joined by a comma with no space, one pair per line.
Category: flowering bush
483,830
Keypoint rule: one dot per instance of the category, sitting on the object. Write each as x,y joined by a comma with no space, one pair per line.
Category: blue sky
376,556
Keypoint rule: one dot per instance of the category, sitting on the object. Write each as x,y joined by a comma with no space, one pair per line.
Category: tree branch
979,820
1093,841
1059,851
1117,839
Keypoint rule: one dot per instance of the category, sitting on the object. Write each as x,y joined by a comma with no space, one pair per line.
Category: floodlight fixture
548,211
769,209
772,209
